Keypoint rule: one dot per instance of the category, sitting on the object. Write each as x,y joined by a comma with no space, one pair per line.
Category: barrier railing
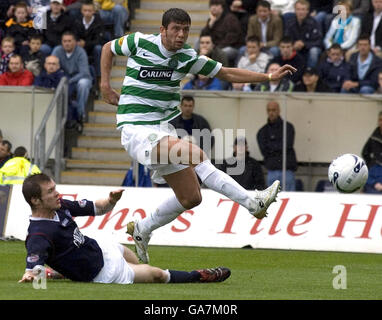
42,153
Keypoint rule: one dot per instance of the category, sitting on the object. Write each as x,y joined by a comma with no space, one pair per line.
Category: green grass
256,274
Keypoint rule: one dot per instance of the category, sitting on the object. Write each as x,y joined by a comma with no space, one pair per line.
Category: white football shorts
140,140
115,268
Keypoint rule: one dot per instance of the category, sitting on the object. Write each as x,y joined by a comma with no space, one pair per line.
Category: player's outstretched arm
106,205
237,75
109,95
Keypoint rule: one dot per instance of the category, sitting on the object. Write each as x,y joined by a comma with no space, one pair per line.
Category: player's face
50,198
175,36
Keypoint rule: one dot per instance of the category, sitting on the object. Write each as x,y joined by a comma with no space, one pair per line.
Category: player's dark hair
32,186
175,15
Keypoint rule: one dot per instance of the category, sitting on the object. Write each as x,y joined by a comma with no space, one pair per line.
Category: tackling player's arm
106,205
236,75
108,93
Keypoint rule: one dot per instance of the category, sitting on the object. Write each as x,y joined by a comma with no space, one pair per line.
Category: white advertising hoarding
302,221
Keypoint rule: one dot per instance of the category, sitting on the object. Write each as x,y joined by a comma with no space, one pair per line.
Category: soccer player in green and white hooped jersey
149,99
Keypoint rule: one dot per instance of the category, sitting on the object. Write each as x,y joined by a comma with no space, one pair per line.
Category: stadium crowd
336,45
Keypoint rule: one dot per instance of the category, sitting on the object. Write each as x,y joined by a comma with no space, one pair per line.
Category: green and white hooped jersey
150,90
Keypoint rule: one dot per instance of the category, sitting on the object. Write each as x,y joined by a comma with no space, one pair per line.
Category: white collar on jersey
55,218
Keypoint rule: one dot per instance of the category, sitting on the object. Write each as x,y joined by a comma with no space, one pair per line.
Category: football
348,173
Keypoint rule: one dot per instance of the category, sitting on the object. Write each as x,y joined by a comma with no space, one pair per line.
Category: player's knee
158,275
191,201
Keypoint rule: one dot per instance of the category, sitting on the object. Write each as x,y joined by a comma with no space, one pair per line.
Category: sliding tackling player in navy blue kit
54,239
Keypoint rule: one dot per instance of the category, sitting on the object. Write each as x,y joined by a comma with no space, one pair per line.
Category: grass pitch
256,275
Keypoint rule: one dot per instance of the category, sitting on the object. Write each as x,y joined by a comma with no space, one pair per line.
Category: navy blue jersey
59,243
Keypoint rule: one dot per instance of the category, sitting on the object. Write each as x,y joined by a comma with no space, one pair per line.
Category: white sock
165,213
219,181
168,274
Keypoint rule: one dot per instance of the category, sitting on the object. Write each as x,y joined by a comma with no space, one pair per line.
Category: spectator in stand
374,180
5,152
284,84
32,55
379,90
311,82
305,33
90,34
372,150
267,27
20,26
190,124
253,60
74,62
252,176
7,51
51,75
283,8
334,70
242,9
319,10
15,170
200,82
344,32
4,6
359,7
17,75
208,48
225,30
57,22
270,141
115,14
364,69
290,56
372,25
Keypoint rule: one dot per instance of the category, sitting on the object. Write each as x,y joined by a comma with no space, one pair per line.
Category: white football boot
263,199
141,241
